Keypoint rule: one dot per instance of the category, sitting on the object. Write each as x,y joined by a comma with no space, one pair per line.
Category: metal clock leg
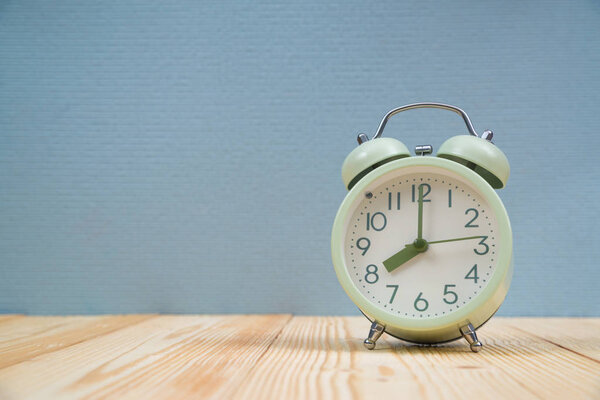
374,334
469,334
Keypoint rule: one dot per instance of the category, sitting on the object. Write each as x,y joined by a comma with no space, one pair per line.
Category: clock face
421,263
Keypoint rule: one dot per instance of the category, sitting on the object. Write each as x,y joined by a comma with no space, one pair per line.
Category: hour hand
409,251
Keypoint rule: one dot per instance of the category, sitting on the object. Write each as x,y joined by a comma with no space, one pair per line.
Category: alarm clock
422,244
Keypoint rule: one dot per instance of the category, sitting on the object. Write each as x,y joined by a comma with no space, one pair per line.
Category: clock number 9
421,300
365,247
371,275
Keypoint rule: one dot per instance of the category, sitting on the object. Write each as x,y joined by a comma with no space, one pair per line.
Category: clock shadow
311,344
402,347
307,342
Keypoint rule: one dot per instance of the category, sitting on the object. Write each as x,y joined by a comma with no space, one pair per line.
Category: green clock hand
408,252
412,250
456,240
420,216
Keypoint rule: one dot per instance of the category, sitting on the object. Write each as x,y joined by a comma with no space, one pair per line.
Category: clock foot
374,334
469,334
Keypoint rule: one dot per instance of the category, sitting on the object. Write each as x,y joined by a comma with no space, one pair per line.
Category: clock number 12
426,190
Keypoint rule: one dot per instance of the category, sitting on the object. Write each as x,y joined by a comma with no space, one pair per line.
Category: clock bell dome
370,155
480,155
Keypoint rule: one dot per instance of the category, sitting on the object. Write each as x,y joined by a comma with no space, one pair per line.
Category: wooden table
284,357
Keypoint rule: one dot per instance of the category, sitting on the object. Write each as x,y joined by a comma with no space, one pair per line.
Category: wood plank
305,357
323,357
316,357
163,357
580,335
25,338
543,369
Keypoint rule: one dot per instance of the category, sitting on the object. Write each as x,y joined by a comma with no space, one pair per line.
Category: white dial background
443,278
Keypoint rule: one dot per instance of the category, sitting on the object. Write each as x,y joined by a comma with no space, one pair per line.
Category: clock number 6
421,300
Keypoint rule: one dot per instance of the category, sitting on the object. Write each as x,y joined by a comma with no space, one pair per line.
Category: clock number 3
485,246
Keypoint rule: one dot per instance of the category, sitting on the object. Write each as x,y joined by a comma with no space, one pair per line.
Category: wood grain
6,317
324,357
24,338
165,357
579,335
280,357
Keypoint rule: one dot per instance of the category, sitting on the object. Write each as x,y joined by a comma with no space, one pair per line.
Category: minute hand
456,240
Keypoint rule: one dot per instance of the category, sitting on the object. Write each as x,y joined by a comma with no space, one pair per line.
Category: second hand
457,239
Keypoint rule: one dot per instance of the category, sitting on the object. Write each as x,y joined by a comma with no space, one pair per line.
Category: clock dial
421,242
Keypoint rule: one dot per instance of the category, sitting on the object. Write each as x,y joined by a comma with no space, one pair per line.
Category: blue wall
185,156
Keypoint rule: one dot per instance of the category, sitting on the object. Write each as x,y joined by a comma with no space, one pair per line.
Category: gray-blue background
185,156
